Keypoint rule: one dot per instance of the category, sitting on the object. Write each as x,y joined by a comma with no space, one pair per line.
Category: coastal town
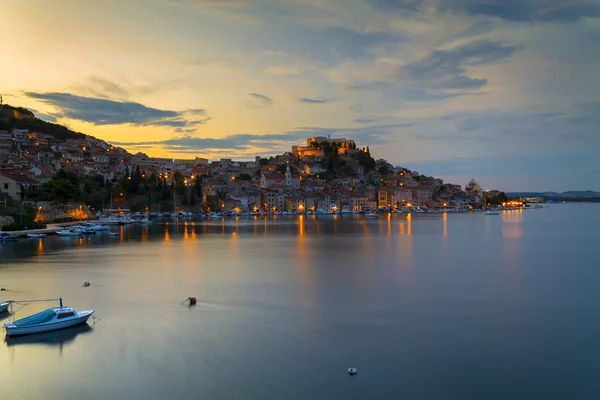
325,174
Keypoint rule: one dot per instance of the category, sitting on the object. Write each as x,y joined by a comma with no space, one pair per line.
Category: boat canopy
35,319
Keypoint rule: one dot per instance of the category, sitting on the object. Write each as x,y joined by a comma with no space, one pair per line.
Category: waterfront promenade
50,229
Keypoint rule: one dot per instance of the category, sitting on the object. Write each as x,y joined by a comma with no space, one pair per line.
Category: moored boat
4,306
36,235
69,232
492,213
48,320
4,237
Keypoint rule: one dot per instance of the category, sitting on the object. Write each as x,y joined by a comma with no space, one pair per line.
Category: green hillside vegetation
34,124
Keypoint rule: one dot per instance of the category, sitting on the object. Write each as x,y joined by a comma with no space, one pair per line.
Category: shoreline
52,229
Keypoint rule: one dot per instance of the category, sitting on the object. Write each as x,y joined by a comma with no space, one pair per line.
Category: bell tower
288,176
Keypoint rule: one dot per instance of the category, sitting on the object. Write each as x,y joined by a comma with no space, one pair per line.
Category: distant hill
22,118
585,194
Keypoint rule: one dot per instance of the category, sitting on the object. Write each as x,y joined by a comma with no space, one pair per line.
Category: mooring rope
24,303
32,301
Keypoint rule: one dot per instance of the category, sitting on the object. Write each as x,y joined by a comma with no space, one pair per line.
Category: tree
152,180
198,186
244,177
384,169
60,190
263,162
180,188
136,179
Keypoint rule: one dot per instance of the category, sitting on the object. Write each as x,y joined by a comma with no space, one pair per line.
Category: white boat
98,228
492,213
4,306
114,234
68,232
4,237
51,319
36,235
371,214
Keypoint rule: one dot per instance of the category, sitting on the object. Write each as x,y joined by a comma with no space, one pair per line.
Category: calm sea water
454,306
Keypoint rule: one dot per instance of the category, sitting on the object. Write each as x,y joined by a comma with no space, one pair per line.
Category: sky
506,91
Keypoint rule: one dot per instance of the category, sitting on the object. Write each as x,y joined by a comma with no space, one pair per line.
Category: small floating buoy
86,284
191,300
352,371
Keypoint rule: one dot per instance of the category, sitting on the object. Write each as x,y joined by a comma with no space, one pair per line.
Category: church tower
288,176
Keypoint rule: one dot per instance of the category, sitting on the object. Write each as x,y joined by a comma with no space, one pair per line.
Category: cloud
509,10
42,116
282,70
365,120
263,100
108,112
446,69
272,143
525,132
315,100
106,86
533,172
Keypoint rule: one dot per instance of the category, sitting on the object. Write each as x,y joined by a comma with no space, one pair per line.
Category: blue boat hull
14,330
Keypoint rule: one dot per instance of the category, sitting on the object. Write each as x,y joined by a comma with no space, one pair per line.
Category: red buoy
192,301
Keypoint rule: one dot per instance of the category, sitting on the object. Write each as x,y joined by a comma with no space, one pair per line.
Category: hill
21,118
584,194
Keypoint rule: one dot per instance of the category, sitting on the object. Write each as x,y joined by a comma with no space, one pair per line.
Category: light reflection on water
425,306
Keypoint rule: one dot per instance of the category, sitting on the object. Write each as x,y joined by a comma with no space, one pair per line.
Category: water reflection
445,234
320,299
40,247
406,244
52,339
445,222
512,223
512,232
4,316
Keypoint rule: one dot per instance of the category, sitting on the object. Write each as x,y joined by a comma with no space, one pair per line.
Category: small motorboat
48,320
4,237
371,214
69,232
4,306
114,234
36,235
492,213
